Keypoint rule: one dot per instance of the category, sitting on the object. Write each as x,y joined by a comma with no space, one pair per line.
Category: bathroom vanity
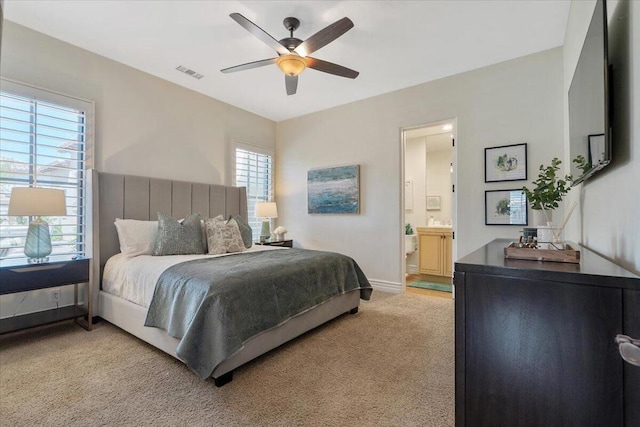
535,341
435,247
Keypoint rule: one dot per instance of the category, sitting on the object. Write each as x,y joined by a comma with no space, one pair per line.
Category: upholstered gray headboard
136,197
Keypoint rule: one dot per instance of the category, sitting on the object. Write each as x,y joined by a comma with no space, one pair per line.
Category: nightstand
17,276
284,243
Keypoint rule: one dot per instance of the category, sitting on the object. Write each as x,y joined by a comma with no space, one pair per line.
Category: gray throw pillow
223,236
179,238
245,230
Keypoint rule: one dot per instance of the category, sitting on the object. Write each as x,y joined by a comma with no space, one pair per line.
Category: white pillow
136,237
223,236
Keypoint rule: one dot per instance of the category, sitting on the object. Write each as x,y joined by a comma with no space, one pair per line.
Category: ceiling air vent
189,72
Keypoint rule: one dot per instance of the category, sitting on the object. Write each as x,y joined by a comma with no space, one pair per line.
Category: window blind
43,144
254,170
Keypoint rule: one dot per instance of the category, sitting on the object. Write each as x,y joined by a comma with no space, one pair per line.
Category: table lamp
266,211
35,201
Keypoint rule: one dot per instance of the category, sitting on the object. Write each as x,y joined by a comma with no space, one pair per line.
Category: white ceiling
394,44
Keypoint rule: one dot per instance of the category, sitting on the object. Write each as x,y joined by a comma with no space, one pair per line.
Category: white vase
538,218
547,238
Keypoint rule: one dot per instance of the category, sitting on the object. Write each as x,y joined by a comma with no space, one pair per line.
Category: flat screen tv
589,121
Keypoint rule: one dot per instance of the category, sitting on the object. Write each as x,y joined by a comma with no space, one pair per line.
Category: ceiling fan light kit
292,52
291,64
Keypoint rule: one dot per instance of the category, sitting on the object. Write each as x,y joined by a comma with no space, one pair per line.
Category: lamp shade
292,64
34,201
266,210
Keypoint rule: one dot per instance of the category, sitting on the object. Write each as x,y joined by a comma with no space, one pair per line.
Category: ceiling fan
293,53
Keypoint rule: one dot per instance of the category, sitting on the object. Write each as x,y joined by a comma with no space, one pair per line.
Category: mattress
134,278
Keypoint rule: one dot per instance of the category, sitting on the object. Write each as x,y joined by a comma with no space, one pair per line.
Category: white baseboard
386,286
412,269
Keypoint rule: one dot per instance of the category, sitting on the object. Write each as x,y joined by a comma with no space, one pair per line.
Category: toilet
410,243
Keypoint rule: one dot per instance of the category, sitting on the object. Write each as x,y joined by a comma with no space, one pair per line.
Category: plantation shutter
254,170
43,142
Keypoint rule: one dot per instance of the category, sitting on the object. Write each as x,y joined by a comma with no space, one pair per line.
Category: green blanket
214,305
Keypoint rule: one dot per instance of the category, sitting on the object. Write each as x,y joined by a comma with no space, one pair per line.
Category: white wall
511,102
1,22
415,169
144,125
430,172
439,181
609,214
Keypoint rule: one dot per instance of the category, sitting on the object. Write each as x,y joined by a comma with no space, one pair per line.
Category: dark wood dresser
535,341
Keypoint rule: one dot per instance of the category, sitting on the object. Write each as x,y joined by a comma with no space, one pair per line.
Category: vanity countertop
434,228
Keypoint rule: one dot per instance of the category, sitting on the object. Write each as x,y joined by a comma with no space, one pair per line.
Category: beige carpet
389,365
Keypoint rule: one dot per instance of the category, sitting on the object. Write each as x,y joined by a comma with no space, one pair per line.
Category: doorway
428,207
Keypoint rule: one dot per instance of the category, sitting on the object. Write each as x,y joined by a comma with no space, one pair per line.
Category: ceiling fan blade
260,33
291,82
249,65
331,68
324,37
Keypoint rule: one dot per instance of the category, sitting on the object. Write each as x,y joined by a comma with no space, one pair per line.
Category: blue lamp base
38,244
265,233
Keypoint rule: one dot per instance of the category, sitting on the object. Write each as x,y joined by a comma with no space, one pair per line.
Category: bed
140,198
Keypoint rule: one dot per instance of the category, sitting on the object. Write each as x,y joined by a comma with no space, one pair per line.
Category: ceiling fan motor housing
290,42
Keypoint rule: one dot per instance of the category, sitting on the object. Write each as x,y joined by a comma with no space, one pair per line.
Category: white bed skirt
130,317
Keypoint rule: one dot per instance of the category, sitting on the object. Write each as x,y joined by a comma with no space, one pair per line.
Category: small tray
568,254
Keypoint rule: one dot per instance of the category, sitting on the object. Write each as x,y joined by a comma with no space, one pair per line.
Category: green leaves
582,164
549,188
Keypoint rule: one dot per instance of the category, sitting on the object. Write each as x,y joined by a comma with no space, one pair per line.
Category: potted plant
408,230
549,190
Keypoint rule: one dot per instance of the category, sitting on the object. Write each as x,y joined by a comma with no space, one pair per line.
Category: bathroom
429,201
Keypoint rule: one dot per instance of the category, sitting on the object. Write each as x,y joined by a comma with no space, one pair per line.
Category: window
254,170
44,142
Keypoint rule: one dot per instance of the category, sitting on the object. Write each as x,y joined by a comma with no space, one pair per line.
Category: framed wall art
334,190
596,149
505,163
433,203
505,207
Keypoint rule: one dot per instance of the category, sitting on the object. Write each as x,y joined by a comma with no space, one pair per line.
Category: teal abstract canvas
334,190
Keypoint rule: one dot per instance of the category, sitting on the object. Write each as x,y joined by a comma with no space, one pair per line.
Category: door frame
454,181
